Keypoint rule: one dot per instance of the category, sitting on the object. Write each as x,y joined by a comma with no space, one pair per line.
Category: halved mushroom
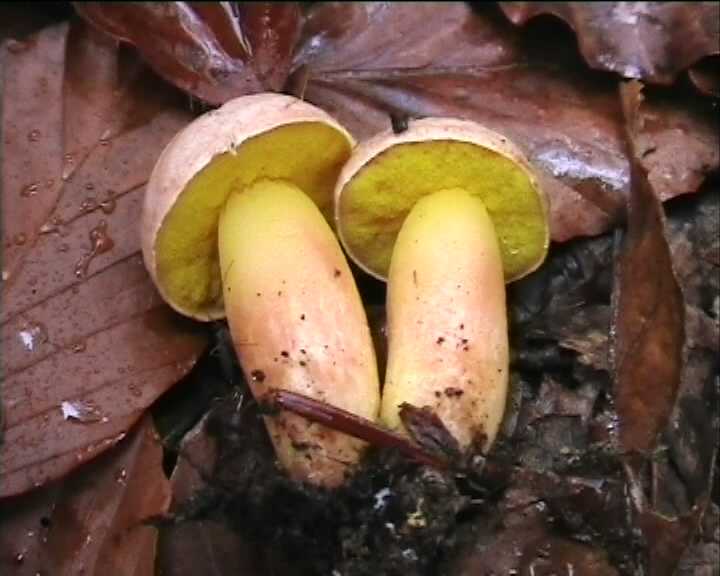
233,225
447,211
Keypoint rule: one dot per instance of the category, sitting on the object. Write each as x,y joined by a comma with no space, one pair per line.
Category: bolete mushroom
446,211
235,224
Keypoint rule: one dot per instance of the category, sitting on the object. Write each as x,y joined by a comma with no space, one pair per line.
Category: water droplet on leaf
100,242
80,411
29,190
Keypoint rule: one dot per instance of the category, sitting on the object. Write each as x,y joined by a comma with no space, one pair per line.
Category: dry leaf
200,546
523,543
87,343
648,321
651,41
92,522
214,51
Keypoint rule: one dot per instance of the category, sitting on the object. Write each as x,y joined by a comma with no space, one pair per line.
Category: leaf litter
554,494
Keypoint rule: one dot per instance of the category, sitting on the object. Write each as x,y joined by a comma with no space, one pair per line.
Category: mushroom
235,224
446,211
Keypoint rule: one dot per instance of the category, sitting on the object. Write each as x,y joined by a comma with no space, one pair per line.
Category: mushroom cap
263,136
388,173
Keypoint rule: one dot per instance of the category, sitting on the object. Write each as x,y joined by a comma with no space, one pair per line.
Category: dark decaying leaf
667,539
649,312
214,51
87,343
693,434
657,340
651,41
203,546
677,149
706,76
364,62
16,21
522,542
92,521
701,559
429,432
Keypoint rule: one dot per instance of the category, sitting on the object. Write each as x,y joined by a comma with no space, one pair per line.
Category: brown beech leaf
677,146
200,546
101,91
215,51
87,344
365,61
651,41
92,521
649,312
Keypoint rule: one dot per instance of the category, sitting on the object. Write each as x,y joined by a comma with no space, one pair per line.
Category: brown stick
350,424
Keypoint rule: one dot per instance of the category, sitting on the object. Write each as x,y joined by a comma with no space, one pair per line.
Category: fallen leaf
17,22
677,146
556,399
651,41
200,545
102,91
667,539
469,64
701,558
692,436
523,543
214,51
87,343
648,316
92,521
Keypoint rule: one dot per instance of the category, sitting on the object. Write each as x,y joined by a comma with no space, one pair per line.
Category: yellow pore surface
308,154
374,204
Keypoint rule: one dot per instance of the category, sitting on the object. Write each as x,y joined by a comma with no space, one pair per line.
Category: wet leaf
667,539
87,343
214,51
648,318
651,41
523,543
677,146
692,436
200,546
473,65
91,522
706,76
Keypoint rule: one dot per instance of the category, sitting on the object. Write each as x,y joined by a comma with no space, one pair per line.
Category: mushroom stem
447,325
297,322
